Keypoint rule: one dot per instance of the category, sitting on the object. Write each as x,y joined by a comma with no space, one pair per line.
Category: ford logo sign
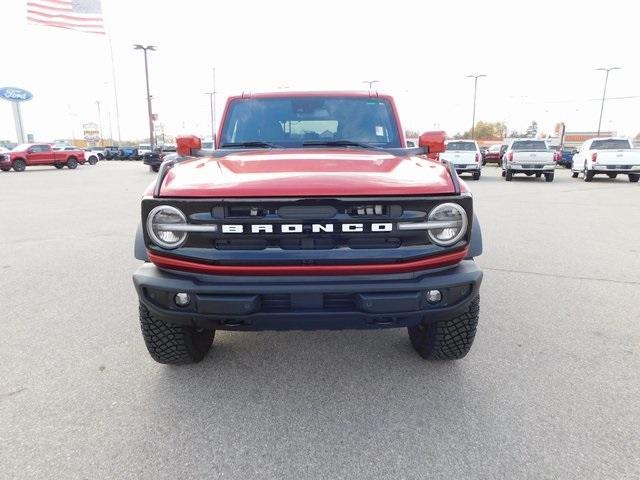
14,94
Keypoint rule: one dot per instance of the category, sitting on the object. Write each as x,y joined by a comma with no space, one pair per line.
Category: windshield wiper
256,144
337,143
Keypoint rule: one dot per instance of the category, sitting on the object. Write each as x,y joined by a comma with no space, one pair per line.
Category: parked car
37,154
111,152
529,156
99,151
465,157
610,156
494,154
90,157
297,230
143,149
154,159
128,153
566,157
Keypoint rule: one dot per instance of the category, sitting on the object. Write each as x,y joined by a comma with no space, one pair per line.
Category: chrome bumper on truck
532,167
302,303
466,167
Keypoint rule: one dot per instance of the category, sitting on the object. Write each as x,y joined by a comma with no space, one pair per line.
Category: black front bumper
302,303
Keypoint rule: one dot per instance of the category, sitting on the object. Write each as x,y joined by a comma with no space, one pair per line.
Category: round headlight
449,224
160,224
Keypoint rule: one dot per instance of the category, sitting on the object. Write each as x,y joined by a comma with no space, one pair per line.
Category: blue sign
13,94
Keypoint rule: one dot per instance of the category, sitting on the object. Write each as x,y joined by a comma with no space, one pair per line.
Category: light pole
99,123
604,92
371,82
146,73
475,91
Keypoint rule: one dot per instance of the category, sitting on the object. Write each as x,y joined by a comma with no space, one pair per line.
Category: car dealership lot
549,390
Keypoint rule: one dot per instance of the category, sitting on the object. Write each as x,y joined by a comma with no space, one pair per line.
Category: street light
211,95
146,73
475,91
101,143
604,93
371,82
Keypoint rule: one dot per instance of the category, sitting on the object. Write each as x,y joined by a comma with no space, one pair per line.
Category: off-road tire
72,163
447,339
587,175
19,165
173,344
548,177
634,177
504,173
92,160
508,176
58,165
575,174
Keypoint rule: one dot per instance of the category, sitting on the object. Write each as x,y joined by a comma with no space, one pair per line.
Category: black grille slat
338,301
276,301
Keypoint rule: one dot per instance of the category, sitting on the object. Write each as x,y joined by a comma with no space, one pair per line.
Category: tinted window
467,146
529,145
289,122
610,144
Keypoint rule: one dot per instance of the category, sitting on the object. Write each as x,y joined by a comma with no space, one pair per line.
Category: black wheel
72,163
155,168
172,344
19,165
447,339
548,177
5,169
503,173
476,175
587,174
92,160
508,176
100,156
612,175
634,177
575,174
58,165
484,162
538,175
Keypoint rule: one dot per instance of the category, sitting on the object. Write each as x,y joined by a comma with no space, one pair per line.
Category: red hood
318,172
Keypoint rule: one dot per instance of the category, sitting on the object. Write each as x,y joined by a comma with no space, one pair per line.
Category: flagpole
115,89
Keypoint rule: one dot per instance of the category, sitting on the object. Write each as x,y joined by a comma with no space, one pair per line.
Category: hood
306,172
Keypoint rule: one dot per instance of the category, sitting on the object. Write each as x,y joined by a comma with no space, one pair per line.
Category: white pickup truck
529,156
610,156
465,156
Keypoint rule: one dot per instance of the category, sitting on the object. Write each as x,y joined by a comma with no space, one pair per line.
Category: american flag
81,15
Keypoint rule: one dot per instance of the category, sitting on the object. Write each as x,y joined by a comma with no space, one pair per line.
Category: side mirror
187,143
433,142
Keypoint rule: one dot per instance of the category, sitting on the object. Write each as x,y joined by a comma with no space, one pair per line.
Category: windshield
529,145
466,146
495,148
290,122
21,147
610,144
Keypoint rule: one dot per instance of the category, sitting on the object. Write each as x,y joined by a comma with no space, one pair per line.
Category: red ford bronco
37,154
310,213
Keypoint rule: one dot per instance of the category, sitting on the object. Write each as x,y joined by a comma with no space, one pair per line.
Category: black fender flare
139,248
475,244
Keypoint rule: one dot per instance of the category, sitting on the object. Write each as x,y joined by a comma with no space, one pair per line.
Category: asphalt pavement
550,389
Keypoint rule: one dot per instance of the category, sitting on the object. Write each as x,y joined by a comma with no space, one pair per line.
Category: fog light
182,299
434,296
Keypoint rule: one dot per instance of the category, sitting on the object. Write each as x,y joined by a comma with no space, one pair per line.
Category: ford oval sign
14,94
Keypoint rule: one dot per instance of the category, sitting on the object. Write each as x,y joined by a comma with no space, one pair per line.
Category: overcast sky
539,61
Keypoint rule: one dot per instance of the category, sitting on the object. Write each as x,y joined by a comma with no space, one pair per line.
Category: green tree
485,131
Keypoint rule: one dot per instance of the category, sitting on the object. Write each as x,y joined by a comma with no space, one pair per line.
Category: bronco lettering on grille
313,227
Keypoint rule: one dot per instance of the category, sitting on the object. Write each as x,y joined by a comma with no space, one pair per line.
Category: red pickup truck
310,213
38,154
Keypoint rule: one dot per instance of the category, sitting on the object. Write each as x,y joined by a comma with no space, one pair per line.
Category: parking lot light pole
213,131
475,92
604,92
101,142
146,73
